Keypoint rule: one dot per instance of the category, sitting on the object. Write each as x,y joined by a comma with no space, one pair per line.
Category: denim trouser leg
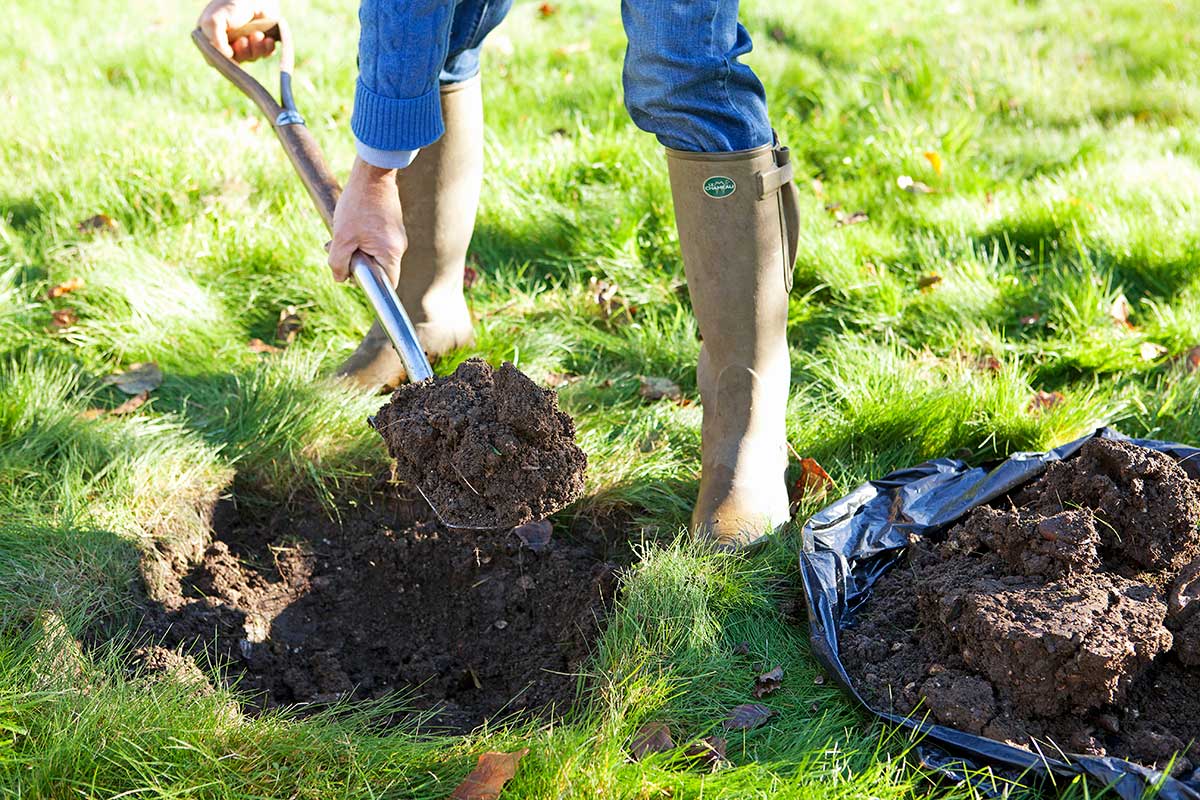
683,81
473,20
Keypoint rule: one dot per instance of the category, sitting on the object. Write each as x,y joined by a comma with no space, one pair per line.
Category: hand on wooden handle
241,29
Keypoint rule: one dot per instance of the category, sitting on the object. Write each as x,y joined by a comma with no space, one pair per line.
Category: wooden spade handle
297,140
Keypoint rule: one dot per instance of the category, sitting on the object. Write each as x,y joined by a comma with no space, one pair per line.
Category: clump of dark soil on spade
484,446
300,609
1065,616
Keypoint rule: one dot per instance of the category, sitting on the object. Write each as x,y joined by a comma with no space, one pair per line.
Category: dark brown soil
487,448
1069,615
304,610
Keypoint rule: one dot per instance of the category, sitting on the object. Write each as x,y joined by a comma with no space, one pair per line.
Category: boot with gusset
737,220
439,195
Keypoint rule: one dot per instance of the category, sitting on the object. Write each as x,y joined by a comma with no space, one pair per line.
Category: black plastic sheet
851,543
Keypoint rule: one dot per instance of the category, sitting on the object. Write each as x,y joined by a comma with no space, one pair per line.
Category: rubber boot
737,219
439,194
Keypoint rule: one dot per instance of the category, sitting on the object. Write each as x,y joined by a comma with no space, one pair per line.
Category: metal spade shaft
323,188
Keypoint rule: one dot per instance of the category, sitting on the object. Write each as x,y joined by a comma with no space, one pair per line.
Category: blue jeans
683,81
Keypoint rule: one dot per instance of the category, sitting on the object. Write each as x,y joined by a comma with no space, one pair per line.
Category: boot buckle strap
772,180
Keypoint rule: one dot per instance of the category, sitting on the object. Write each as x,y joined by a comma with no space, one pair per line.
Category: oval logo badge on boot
719,186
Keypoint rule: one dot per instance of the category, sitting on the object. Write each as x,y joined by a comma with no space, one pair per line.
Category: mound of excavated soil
1068,614
487,448
301,609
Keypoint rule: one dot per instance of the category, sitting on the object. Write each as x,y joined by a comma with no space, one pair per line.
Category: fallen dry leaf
573,48
556,379
470,275
489,776
98,223
747,716
814,483
547,10
66,287
1191,359
1031,319
709,750
988,363
535,535
1120,311
742,649
132,404
259,346
63,317
934,160
818,187
142,377
653,388
653,737
1043,401
843,220
289,325
607,298
1149,351
767,682
928,281
906,183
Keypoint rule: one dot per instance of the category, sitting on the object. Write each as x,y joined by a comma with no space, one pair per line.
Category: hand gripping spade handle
305,155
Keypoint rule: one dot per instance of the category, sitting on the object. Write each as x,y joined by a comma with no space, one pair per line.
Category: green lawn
1067,136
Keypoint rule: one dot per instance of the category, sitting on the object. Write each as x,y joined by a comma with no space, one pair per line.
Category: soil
303,610
1065,616
488,448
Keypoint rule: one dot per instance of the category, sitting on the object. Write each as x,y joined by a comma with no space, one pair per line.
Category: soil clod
488,448
1066,612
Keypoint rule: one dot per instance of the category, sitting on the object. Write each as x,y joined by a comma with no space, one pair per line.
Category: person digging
413,192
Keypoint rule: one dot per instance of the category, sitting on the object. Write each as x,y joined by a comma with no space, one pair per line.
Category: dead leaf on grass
988,363
63,318
289,325
911,186
97,223
654,388
934,160
1044,401
710,750
128,407
926,282
141,377
470,275
66,287
557,379
747,716
132,404
653,737
1191,359
535,535
1031,319
489,776
845,220
1149,351
259,346
814,483
1120,311
547,10
607,298
768,682
573,48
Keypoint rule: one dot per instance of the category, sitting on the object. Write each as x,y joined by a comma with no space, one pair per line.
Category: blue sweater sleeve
401,49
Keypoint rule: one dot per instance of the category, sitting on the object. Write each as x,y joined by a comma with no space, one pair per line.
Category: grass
1069,152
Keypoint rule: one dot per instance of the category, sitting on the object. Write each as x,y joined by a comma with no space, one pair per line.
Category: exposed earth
486,447
1065,616
304,610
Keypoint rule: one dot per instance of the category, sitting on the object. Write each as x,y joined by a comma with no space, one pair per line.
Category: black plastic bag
851,543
